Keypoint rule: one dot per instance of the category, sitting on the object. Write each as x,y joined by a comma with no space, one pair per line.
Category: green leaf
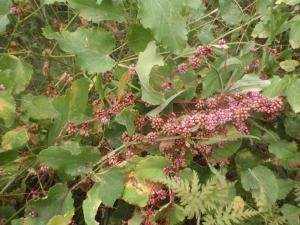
246,159
285,186
38,107
283,149
71,107
295,32
160,108
288,2
15,139
262,6
137,219
15,75
109,187
172,214
151,168
277,86
194,4
136,194
7,108
7,211
292,126
4,11
293,94
91,47
289,65
73,104
291,212
146,61
262,183
127,118
228,150
90,206
58,202
138,38
206,35
96,12
249,83
52,1
70,158
62,219
230,12
112,182
260,31
7,157
164,19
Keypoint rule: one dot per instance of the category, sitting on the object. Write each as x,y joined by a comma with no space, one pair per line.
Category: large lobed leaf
262,183
39,107
146,61
70,159
98,11
108,188
15,75
58,202
90,46
164,19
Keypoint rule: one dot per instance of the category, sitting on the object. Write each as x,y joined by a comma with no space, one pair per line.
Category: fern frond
297,194
197,199
234,213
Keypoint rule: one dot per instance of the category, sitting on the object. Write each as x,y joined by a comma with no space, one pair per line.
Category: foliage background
63,61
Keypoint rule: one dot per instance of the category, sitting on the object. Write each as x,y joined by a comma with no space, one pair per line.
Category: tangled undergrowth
149,112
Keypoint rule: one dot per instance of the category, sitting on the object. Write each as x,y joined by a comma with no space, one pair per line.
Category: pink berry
167,86
132,69
221,42
182,68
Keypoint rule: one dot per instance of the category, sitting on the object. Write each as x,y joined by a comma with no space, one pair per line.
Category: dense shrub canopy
149,112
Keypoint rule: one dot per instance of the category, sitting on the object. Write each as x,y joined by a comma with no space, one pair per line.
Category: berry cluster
102,116
205,118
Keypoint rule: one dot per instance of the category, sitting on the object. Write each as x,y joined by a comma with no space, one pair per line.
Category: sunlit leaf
58,202
15,74
15,139
39,107
262,183
4,10
250,83
283,149
293,94
90,46
146,61
289,65
70,158
108,188
230,12
98,11
127,118
163,18
7,108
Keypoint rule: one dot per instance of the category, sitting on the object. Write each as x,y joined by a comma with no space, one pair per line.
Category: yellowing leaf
15,139
7,108
289,65
62,219
146,61
293,94
15,74
122,84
